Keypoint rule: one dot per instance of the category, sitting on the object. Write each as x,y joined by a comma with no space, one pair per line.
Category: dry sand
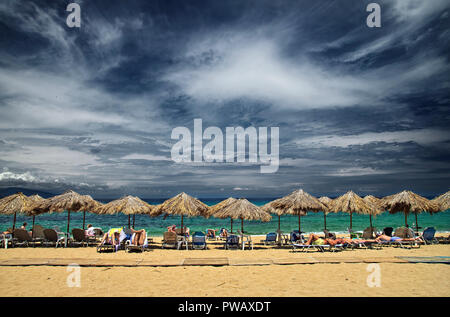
343,279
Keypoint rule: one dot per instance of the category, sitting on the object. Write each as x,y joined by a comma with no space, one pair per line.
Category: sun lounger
169,240
321,248
21,237
271,238
38,233
51,238
80,238
428,235
329,235
199,241
232,241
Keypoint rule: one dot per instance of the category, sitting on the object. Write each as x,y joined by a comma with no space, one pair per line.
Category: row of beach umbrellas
297,203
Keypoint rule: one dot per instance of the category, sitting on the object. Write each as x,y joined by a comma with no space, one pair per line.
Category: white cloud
420,136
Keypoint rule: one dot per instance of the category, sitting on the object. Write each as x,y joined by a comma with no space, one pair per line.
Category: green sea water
312,222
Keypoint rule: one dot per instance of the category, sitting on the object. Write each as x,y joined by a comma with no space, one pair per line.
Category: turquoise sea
313,222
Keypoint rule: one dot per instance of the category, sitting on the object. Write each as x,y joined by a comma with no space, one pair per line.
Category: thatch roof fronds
408,202
443,201
129,205
70,200
298,203
14,203
242,209
220,205
182,204
375,203
325,200
351,203
31,200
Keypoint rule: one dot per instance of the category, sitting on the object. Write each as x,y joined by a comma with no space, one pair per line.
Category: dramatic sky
93,108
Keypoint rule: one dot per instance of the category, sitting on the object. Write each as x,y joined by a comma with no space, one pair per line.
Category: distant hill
28,192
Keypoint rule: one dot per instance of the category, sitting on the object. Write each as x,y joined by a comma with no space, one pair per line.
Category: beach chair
170,240
79,237
38,233
428,235
296,236
369,233
271,238
129,246
199,241
51,237
232,241
21,237
405,233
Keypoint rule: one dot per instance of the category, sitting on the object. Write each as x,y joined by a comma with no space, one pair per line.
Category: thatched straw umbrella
408,202
242,209
128,205
69,200
13,204
376,208
443,201
31,200
223,203
182,205
326,201
298,203
350,203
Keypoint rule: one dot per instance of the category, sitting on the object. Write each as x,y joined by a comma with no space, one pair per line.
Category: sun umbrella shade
242,209
351,203
326,201
443,201
129,205
298,203
70,201
14,203
375,203
182,205
213,209
408,202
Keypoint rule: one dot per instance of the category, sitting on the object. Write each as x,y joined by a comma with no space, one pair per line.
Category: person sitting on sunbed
211,233
172,228
89,232
383,237
223,233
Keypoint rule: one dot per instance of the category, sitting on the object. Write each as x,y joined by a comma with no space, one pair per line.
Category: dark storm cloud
93,108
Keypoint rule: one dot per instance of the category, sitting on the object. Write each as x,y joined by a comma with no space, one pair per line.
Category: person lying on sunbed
383,237
314,239
137,237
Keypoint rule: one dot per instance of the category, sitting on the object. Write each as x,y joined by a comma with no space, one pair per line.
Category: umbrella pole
299,227
351,220
370,217
32,228
406,219
231,225
68,222
279,229
324,220
84,218
133,220
182,228
129,225
242,225
14,221
417,225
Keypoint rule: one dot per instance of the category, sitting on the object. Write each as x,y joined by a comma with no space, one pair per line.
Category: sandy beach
243,278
